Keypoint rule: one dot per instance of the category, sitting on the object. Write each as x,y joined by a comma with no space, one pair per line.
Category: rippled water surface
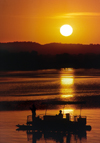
43,85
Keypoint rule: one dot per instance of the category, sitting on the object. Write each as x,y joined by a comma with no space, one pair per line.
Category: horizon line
49,43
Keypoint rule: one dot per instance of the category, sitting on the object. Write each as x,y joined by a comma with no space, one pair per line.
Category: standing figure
33,109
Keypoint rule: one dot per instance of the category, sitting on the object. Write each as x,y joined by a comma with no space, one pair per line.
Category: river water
19,89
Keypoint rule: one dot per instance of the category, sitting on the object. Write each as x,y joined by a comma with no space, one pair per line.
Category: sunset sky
40,21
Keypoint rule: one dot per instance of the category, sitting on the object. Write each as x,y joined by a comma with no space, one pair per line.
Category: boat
55,122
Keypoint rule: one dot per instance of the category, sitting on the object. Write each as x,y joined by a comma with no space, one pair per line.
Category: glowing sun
66,30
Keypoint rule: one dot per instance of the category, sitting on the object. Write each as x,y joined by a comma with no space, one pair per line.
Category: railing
72,117
29,117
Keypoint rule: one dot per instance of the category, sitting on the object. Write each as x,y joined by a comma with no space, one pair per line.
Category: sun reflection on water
65,111
68,110
67,84
67,80
66,96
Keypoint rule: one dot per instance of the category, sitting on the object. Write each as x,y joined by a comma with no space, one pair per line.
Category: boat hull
71,126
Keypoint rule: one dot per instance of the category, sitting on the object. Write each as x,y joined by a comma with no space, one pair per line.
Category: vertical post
80,110
45,111
63,109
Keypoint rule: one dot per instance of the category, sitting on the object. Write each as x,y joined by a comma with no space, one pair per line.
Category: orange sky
40,20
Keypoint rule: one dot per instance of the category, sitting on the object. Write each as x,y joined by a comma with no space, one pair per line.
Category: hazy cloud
77,14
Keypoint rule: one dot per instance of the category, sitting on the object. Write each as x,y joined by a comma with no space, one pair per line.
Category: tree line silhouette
33,61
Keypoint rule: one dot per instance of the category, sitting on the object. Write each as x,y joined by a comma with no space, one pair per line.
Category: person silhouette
60,114
33,109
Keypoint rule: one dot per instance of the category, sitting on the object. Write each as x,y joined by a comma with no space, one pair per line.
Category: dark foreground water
18,91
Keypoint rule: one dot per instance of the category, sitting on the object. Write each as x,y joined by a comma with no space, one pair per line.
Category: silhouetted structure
55,123
55,127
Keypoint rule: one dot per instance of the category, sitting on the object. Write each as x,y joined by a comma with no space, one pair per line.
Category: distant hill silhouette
33,56
52,48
